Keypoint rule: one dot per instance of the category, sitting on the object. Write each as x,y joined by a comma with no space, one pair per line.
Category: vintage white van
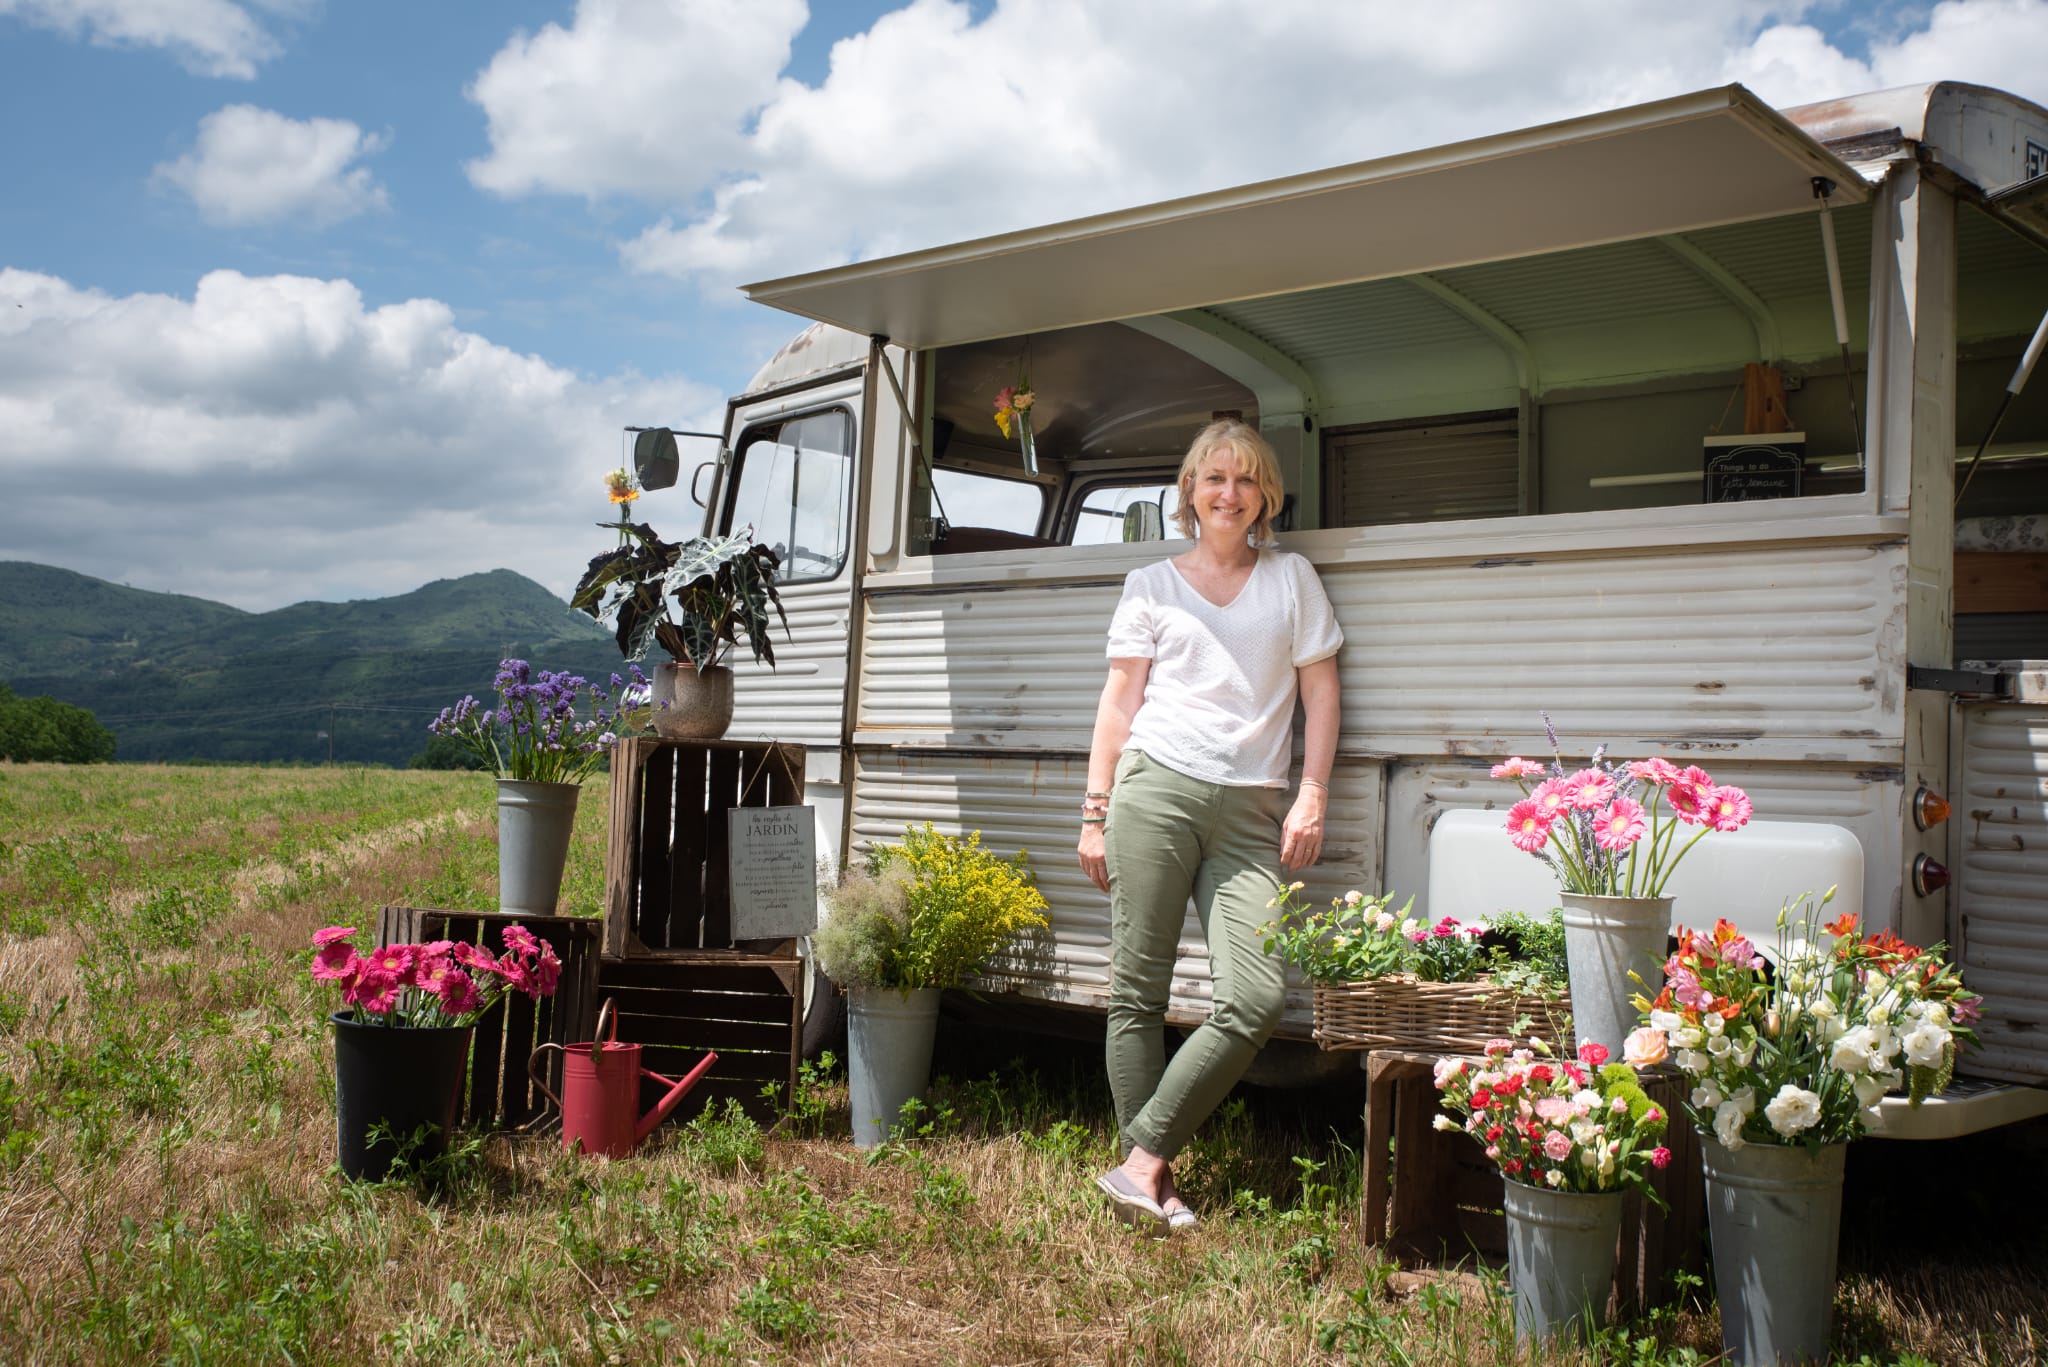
1495,372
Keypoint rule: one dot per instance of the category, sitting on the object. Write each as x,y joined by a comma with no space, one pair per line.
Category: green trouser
1168,836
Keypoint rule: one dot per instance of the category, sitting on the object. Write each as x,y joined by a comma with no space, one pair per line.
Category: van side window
1100,518
973,499
792,483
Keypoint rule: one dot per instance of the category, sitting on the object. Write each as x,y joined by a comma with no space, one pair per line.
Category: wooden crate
500,1095
1432,1196
747,1007
667,882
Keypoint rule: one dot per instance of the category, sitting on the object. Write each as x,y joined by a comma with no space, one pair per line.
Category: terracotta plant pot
690,704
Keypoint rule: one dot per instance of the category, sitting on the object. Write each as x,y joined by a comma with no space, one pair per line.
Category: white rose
1728,1120
1880,1012
1555,1177
1934,1013
1926,1046
1793,1110
1824,1007
1869,1090
1855,1051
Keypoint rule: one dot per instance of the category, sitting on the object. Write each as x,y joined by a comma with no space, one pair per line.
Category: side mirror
655,461
1144,522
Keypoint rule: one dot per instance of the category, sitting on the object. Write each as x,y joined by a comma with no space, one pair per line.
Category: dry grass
166,1136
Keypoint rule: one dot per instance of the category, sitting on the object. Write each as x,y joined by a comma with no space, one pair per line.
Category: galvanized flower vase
1606,939
889,1037
534,824
1775,1214
1561,1247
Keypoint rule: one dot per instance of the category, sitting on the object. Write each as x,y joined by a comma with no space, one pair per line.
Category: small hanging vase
1024,442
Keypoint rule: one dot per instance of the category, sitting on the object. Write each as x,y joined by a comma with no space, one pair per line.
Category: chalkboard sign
1744,469
773,857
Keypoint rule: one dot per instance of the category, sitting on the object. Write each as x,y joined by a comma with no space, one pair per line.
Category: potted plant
698,599
1381,979
1614,835
542,751
920,917
1570,1137
1785,1063
401,1041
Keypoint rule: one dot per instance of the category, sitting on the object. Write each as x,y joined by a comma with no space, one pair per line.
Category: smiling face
1224,493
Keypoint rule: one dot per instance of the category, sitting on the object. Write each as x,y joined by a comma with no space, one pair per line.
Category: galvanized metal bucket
1606,939
889,1037
1561,1247
534,823
1775,1213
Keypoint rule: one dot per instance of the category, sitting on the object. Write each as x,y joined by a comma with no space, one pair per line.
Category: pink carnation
1557,1146
1589,788
1728,809
1592,1053
1528,827
1620,826
1660,1157
1517,767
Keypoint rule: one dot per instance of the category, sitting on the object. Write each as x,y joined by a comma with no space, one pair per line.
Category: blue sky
325,300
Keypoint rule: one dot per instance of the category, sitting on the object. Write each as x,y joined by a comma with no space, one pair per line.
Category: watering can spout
676,1092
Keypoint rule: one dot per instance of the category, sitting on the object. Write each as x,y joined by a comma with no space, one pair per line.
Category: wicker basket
1399,1012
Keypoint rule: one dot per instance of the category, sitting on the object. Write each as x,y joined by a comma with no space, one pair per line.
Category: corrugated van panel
798,700
1344,321
1019,802
2001,886
1728,648
1584,288
1737,650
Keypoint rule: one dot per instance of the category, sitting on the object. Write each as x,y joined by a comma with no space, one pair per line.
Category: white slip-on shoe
1131,1205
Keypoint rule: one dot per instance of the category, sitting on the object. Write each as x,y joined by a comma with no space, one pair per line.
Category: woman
1187,794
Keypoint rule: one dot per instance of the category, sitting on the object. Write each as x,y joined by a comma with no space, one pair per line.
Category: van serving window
1718,156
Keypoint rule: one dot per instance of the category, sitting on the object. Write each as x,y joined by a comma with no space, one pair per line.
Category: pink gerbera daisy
1528,827
458,993
1728,809
1620,826
331,935
1589,789
1551,798
1517,767
1690,801
519,939
1654,770
332,962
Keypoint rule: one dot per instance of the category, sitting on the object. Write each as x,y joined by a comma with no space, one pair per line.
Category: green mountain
180,678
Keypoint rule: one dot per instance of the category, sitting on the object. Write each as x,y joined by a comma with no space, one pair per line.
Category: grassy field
167,1135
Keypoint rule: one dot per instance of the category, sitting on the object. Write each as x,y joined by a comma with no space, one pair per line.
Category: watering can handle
609,1011
538,1077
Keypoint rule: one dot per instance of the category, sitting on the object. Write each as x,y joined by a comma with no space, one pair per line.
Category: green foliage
773,1308
446,752
43,730
931,912
1526,953
727,1143
1355,940
722,588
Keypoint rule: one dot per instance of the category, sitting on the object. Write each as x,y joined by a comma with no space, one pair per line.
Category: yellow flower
619,487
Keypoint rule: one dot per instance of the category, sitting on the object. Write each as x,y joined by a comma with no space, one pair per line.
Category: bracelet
1093,820
1103,796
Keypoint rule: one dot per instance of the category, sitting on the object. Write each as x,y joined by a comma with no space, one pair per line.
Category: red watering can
601,1091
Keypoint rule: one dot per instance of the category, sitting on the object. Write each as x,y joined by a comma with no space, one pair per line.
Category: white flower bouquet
1800,1054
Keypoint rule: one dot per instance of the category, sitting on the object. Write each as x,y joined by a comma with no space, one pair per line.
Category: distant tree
445,752
47,731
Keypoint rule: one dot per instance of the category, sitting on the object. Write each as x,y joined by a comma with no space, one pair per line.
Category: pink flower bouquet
1609,831
441,983
1581,1124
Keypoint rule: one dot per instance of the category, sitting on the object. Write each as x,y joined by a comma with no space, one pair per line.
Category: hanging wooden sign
773,858
1747,468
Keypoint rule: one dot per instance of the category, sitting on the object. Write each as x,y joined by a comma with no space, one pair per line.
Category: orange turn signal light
1929,875
1929,808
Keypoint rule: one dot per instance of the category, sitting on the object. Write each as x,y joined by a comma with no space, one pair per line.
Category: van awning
1718,156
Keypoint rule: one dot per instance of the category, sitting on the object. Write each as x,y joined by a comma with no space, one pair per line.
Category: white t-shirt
1219,699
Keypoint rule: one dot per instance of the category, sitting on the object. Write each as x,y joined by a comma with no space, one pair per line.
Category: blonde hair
1253,454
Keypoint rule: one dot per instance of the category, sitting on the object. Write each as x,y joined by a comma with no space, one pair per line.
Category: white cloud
635,95
932,126
208,37
272,439
255,165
